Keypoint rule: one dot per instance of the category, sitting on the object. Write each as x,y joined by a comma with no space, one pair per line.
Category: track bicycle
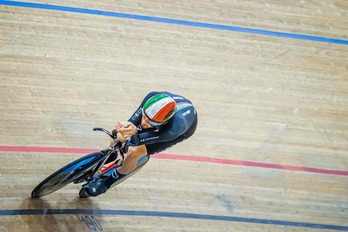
87,168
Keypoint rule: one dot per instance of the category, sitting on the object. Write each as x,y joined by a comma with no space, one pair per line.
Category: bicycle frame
119,148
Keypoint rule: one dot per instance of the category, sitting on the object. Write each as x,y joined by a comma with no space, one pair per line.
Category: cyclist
162,120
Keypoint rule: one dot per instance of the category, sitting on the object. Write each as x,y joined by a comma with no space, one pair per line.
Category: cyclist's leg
131,159
101,185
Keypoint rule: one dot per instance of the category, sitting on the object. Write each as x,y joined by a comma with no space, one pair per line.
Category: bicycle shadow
44,216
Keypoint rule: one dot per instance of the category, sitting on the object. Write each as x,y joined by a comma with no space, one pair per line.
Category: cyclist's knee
136,152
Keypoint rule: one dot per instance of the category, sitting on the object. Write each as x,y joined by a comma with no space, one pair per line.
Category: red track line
182,157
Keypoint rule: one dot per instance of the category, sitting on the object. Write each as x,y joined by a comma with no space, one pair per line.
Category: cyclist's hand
119,126
127,129
121,138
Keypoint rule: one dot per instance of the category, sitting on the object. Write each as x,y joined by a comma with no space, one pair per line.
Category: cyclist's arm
169,132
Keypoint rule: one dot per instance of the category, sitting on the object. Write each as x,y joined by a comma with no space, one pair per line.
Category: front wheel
67,174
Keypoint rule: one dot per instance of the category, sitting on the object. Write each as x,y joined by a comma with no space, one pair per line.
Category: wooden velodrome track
269,80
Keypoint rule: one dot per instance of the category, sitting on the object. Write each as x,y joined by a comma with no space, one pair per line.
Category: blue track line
170,215
174,21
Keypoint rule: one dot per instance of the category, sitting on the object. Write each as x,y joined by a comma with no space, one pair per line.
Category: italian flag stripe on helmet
159,107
